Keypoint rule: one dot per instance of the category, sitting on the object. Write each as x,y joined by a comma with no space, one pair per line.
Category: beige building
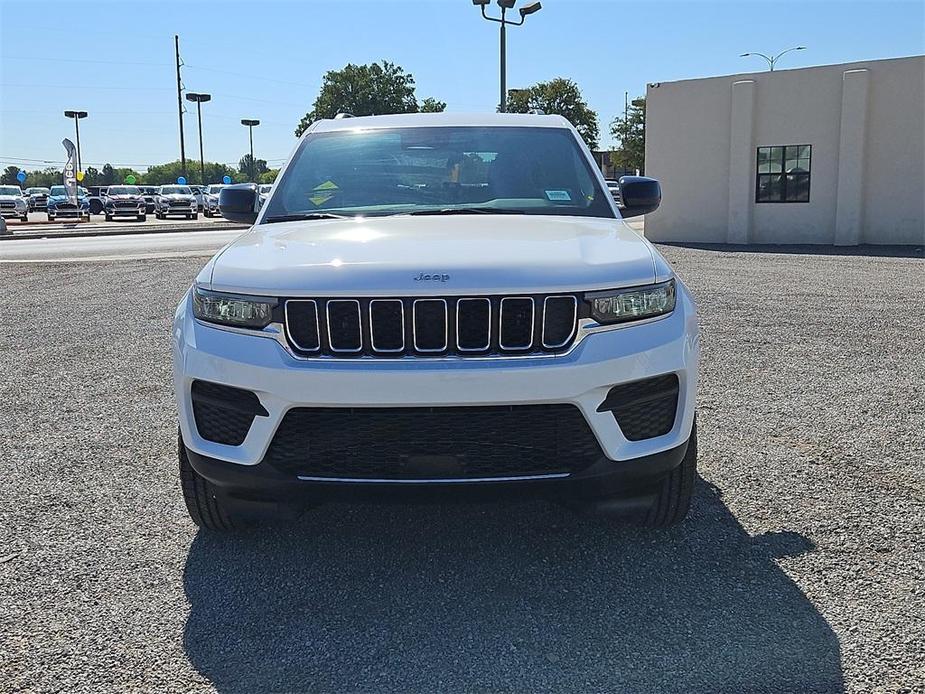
826,155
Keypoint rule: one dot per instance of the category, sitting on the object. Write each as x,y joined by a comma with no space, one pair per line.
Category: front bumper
68,212
583,377
125,211
178,210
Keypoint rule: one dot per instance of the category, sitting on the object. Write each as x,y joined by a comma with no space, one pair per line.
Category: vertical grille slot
559,320
516,320
387,325
302,324
473,325
430,325
344,332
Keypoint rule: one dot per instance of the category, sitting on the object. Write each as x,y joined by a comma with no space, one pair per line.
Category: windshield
124,190
37,191
10,190
175,190
58,190
213,190
539,171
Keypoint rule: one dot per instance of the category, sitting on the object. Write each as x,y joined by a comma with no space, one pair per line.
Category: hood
402,255
125,197
7,198
178,196
64,198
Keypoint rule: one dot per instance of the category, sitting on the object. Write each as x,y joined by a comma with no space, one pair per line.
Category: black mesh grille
465,326
430,328
559,322
644,409
433,443
473,324
344,326
387,325
302,322
224,414
516,323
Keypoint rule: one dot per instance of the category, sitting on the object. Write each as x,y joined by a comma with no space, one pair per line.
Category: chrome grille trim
487,344
317,325
372,330
574,320
529,344
446,327
327,312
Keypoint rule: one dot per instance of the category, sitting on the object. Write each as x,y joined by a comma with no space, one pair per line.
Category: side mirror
640,195
238,203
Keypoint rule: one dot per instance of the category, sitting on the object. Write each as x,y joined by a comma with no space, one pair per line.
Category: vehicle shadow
867,250
521,597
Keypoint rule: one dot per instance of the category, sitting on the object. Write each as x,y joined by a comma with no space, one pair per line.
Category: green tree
431,105
107,175
365,90
8,177
269,176
630,133
560,96
252,173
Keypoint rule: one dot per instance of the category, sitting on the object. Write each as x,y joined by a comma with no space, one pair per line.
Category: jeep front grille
438,326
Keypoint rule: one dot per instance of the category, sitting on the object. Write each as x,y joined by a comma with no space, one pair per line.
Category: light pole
506,5
200,99
250,128
76,115
773,61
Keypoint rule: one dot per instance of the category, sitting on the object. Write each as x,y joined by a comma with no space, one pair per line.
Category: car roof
411,120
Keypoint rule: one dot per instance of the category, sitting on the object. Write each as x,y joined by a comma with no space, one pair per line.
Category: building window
783,173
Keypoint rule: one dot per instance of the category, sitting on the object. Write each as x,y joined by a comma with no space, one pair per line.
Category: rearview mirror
238,203
640,195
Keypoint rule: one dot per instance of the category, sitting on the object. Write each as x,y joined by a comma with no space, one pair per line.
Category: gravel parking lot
800,569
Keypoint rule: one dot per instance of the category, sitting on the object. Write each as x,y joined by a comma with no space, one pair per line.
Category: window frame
783,200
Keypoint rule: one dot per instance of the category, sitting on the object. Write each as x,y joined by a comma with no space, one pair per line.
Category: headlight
233,309
635,303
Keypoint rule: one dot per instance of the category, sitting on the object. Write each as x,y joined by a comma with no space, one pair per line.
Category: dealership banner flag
70,170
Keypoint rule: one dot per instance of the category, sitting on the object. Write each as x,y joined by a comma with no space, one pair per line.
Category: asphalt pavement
800,568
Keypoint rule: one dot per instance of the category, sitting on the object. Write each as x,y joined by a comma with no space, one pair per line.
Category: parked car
493,327
59,205
614,187
95,198
13,204
124,201
36,198
150,195
263,192
176,199
211,199
199,192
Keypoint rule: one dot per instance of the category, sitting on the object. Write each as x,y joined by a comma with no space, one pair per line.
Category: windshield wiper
467,210
305,215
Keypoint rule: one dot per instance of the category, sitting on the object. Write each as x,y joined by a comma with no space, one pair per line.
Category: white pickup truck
437,304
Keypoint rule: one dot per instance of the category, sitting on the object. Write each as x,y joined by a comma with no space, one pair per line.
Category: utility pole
176,40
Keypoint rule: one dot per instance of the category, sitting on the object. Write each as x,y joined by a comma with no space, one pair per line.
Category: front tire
109,218
24,218
674,497
204,507
142,218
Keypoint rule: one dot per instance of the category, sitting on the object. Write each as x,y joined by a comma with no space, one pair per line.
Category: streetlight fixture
250,128
76,115
200,99
506,5
773,61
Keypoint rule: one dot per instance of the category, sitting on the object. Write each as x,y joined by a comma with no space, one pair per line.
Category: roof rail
343,115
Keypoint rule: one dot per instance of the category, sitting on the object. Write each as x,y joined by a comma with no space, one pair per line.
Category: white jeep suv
436,304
